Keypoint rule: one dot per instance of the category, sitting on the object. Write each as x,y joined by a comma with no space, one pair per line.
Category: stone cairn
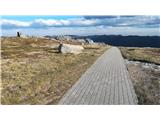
18,34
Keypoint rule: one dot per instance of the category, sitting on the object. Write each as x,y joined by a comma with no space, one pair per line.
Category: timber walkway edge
106,82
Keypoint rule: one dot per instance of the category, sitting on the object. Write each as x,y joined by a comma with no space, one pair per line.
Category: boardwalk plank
107,81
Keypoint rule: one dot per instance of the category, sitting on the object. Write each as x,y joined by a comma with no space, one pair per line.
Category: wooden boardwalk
107,81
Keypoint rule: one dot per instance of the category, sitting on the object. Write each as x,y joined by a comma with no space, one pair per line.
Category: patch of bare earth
33,72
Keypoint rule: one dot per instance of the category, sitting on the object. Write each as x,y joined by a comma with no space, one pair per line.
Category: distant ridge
126,41
119,40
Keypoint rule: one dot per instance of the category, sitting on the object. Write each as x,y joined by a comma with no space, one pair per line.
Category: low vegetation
146,81
33,72
151,55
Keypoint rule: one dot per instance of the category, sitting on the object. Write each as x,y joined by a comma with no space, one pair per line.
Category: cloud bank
114,21
101,24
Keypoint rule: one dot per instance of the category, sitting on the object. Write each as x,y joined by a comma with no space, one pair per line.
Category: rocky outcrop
67,48
89,41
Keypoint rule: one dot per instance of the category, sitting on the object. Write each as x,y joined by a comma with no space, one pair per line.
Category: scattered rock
81,40
21,35
145,78
67,48
24,36
61,37
144,65
89,41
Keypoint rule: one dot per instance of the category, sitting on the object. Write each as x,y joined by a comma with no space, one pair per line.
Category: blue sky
33,17
80,25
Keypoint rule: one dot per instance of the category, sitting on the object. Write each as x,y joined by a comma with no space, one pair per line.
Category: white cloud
15,23
137,25
50,22
62,23
137,21
47,23
92,30
83,22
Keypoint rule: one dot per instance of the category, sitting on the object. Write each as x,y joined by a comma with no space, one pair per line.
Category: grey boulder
67,48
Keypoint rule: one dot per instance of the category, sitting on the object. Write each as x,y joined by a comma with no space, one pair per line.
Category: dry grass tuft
33,72
146,81
150,55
